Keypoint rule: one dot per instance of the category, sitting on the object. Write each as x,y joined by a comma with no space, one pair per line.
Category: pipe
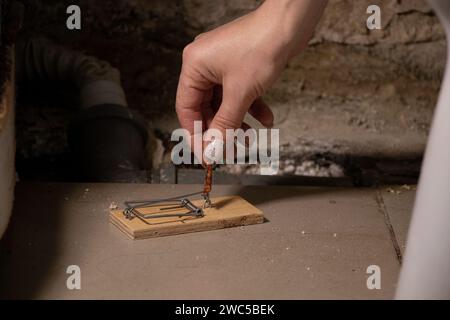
99,83
107,139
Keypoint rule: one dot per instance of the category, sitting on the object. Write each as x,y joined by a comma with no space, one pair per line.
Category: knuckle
201,35
190,53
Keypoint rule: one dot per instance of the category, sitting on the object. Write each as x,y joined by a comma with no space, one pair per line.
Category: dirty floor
317,243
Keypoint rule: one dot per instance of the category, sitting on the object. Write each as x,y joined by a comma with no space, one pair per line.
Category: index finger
189,100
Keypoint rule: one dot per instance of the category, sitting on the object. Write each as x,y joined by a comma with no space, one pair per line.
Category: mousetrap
163,217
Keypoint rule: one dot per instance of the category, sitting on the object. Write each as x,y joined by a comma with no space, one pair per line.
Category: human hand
226,71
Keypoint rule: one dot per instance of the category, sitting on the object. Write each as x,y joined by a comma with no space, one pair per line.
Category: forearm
294,20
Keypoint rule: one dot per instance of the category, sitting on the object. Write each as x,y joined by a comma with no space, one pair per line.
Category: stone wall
353,91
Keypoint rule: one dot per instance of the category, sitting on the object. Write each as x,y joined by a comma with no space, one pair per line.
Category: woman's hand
226,71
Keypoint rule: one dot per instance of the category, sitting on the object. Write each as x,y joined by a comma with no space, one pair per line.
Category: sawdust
401,189
113,206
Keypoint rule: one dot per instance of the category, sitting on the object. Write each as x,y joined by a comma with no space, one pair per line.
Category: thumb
230,115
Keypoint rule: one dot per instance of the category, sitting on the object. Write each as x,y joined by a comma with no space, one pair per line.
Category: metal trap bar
180,202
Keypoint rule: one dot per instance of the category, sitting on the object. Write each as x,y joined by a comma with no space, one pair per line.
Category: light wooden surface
230,211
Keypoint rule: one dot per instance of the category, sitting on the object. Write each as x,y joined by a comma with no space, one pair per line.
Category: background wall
7,141
352,93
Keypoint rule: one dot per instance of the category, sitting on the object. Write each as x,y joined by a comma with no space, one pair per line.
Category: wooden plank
230,211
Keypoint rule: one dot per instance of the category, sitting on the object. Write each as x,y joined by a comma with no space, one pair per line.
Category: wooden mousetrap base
231,211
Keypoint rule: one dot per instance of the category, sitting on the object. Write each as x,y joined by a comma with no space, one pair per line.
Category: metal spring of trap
132,208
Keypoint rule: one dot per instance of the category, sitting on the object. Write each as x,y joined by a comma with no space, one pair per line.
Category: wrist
293,22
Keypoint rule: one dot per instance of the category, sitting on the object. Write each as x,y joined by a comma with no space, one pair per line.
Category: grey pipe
107,140
98,81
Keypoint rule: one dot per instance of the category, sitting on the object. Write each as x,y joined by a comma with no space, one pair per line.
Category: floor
317,243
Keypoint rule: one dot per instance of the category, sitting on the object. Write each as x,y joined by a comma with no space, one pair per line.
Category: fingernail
213,151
